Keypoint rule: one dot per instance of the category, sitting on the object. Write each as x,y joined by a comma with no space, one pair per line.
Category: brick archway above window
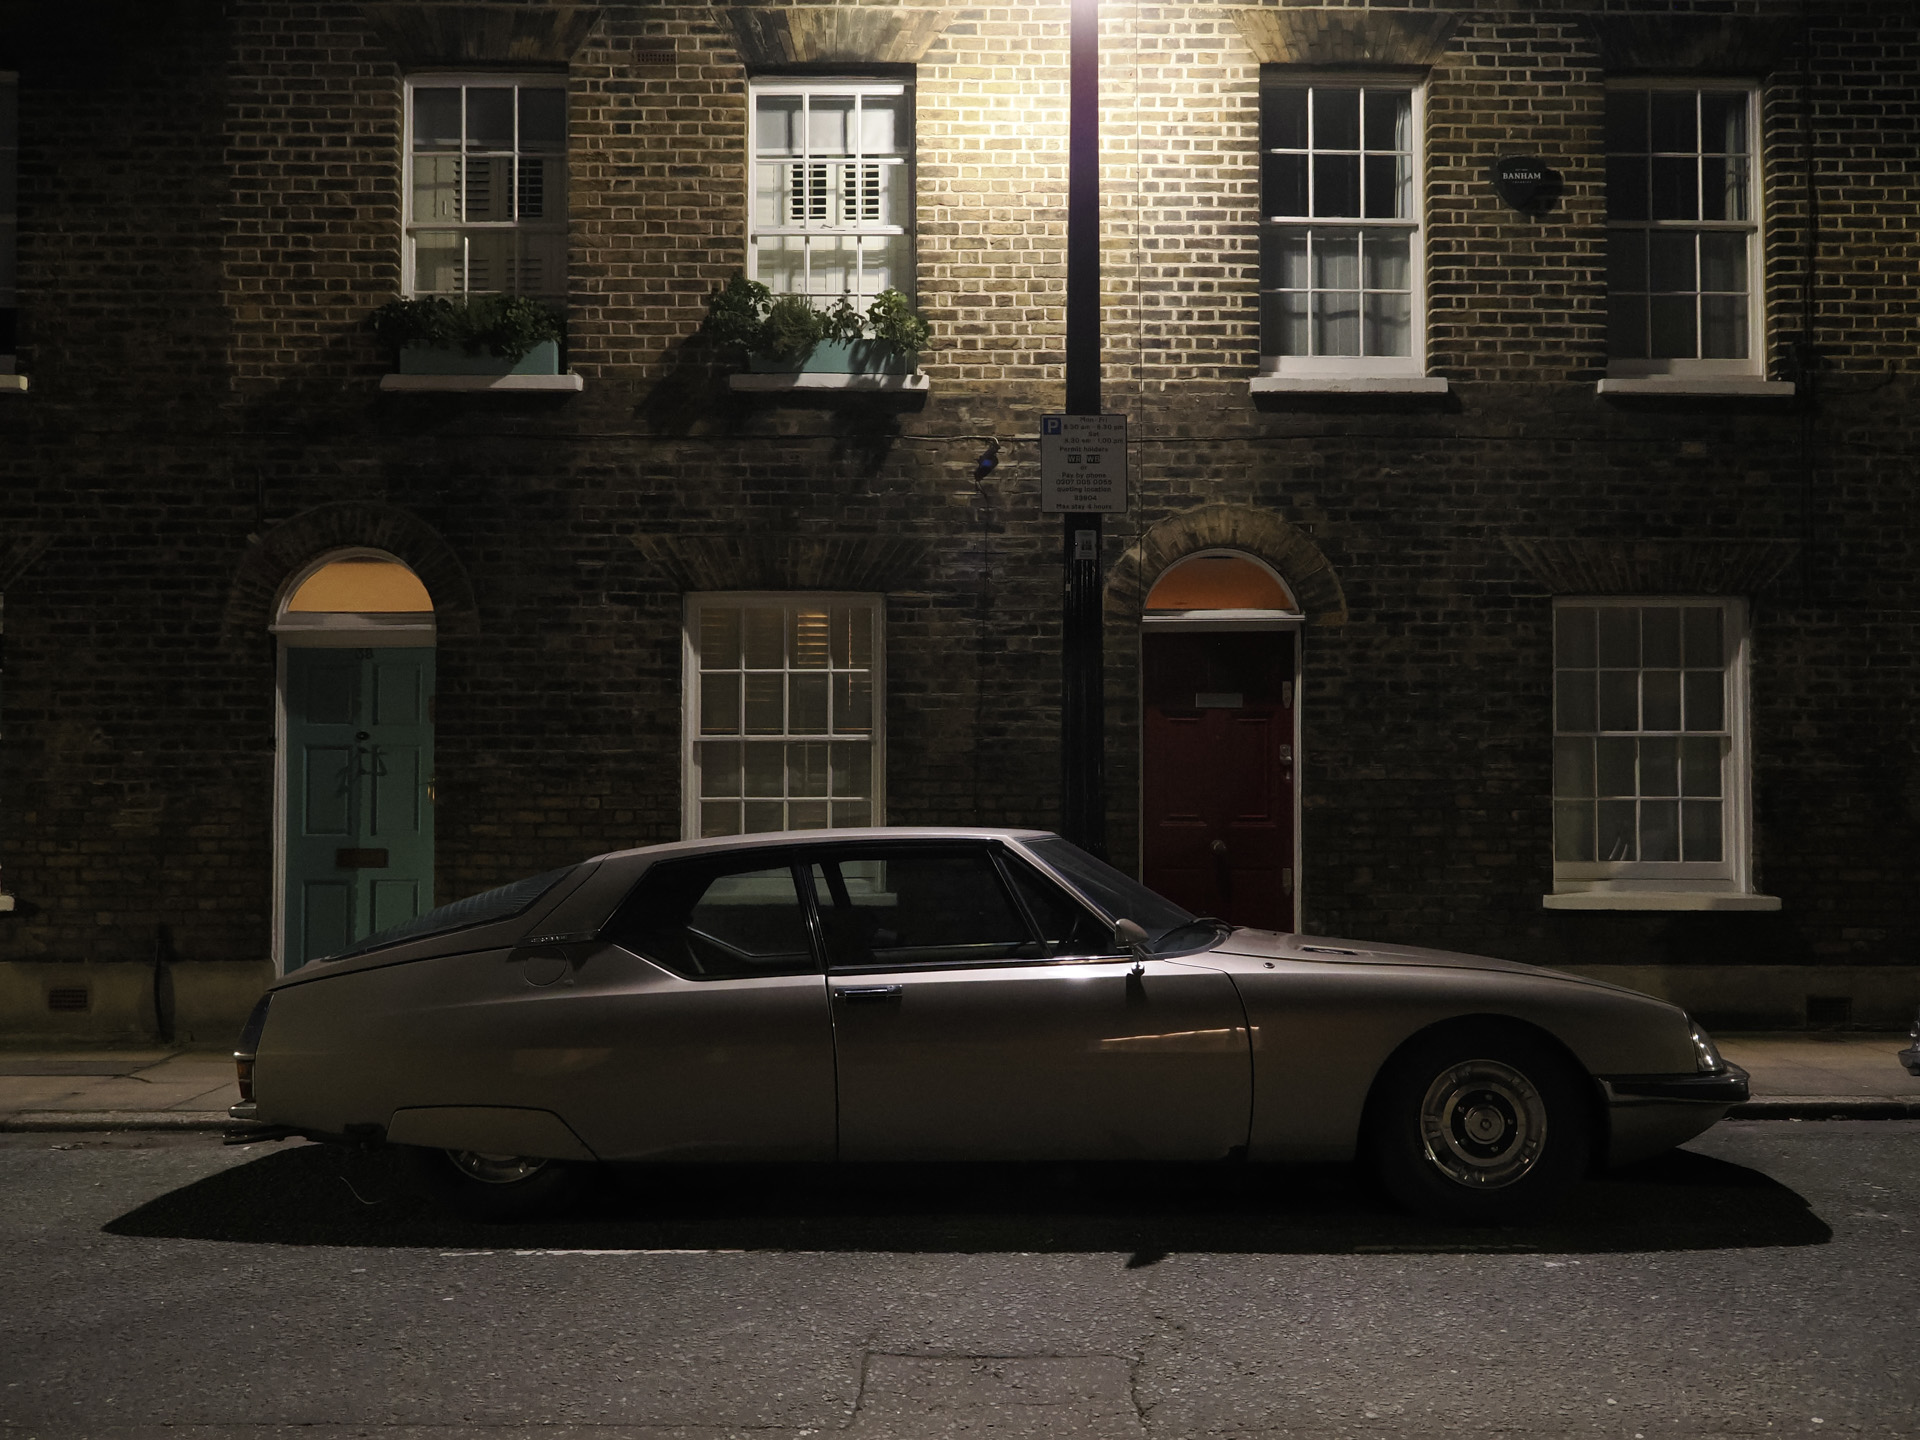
288,547
463,35
1654,567
774,35
1320,36
1260,533
1691,44
787,562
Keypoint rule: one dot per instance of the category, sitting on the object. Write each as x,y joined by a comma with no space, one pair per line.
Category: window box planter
543,359
838,357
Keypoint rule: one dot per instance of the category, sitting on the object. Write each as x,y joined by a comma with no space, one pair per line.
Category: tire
495,1188
1479,1124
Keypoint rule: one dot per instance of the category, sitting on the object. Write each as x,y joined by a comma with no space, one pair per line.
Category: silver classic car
919,994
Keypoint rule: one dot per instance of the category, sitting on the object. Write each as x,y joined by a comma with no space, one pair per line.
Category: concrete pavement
1796,1075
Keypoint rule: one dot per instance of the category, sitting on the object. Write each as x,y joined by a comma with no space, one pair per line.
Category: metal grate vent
653,57
69,998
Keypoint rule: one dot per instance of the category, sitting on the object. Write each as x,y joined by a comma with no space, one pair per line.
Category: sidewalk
1796,1075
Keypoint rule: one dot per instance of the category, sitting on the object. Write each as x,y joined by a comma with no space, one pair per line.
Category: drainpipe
1806,355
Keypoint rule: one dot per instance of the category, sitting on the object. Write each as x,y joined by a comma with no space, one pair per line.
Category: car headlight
1706,1055
250,1042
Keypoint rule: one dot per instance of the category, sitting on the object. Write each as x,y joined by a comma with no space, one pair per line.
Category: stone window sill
1701,386
915,384
13,384
483,384
1347,385
1658,900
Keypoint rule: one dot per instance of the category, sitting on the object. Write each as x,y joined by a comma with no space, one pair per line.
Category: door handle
1219,847
869,994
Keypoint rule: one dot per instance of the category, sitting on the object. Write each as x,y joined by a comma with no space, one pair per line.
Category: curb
176,1120
1827,1107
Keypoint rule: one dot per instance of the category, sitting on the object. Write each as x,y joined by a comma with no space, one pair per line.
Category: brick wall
200,248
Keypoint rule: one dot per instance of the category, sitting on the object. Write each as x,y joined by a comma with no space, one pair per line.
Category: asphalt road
1761,1282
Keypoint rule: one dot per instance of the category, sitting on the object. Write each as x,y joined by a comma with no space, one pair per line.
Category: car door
700,1026
979,1012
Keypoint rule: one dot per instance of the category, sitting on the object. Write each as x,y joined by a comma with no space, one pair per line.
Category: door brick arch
1300,563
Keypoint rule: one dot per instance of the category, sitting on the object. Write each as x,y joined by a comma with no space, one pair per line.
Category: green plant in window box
481,335
789,334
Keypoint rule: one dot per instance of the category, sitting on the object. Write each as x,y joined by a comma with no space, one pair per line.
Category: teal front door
359,764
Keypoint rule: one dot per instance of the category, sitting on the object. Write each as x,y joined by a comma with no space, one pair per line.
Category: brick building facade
1458,420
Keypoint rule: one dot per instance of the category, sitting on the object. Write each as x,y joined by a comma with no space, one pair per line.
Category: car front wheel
489,1187
1479,1124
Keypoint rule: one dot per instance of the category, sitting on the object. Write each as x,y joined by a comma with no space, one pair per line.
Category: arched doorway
1219,733
354,800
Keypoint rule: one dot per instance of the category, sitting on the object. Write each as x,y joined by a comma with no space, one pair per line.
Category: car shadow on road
329,1195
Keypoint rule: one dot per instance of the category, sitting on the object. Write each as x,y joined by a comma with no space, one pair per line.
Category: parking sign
1083,464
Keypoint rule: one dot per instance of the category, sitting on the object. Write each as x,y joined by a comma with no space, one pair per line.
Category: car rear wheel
482,1186
1479,1124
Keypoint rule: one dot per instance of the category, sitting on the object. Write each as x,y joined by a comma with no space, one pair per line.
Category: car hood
1278,945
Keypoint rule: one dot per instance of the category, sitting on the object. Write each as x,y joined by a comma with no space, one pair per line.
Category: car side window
1066,926
714,920
905,907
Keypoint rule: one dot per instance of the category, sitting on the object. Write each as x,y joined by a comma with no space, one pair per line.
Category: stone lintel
775,36
1337,38
455,36
1654,567
1691,44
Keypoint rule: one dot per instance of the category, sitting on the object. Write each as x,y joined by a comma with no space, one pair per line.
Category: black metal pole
1082,707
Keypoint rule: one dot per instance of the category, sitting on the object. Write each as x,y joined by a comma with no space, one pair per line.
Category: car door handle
869,994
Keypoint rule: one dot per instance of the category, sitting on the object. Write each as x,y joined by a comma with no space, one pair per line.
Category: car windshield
482,909
1170,929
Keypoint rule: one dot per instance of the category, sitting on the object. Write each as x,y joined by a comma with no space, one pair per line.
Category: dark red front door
1218,825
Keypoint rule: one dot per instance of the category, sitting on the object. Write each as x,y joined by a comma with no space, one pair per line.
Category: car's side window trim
1002,860
770,859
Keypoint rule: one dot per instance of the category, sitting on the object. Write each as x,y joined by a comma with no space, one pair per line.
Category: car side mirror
1132,937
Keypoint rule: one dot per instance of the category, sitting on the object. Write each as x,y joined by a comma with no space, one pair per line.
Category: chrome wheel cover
494,1169
1483,1124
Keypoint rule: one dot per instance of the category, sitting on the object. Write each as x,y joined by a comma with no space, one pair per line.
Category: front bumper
1728,1087
1910,1057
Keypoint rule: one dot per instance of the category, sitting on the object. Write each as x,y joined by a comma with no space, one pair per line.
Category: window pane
1573,830
1283,323
780,263
1723,262
1336,119
1676,188
489,118
1283,259
1619,699
807,815
883,125
765,711
763,817
1700,765
853,637
542,186
1389,324
852,704
543,119
1671,261
1660,636
1700,835
851,814
765,770
1671,320
1284,185
719,768
1573,702
1723,122
1336,322
1706,700
1389,186
1385,265
1660,700
807,769
810,639
766,638
1627,326
490,259
1627,120
719,638
852,770
1336,260
1389,119
722,818
1619,635
489,186
1659,830
1703,633
1627,260
807,704
1614,768
1573,635
1660,766
1626,187
436,118
437,263
1283,117
1673,121
829,124
886,263
778,124
1573,767
720,704
1723,327
1723,188
1336,185
833,264
1616,827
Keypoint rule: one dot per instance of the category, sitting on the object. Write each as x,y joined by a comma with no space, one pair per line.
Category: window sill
13,384
916,383
483,384
1703,386
1658,900
1347,385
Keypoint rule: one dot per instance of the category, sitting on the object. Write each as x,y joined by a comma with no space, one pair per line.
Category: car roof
782,839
